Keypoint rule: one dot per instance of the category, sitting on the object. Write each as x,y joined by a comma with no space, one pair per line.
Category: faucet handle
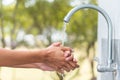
104,67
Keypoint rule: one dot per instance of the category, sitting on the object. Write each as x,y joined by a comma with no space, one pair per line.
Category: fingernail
68,52
74,60
65,54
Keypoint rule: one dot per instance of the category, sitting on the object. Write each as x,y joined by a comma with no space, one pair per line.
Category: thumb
57,44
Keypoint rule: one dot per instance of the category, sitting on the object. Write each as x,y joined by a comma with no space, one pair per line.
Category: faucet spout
109,23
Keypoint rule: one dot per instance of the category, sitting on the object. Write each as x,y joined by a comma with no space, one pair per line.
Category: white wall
112,7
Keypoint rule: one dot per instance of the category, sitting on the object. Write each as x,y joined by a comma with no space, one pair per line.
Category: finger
65,68
70,58
73,64
75,60
67,54
57,44
66,48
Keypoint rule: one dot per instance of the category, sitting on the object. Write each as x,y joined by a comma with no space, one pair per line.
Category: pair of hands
58,58
55,58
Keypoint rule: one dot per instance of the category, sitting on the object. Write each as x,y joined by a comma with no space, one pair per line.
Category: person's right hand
59,58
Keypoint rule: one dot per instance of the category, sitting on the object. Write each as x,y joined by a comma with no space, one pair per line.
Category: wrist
40,55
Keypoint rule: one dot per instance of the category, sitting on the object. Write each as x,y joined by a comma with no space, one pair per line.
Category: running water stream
63,40
64,33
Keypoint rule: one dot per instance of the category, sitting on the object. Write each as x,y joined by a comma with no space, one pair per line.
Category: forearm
18,57
32,65
41,66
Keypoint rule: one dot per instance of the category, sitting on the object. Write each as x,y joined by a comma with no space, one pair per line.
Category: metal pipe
101,68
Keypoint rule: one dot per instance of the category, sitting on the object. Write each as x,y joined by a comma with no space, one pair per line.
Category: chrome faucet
101,68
